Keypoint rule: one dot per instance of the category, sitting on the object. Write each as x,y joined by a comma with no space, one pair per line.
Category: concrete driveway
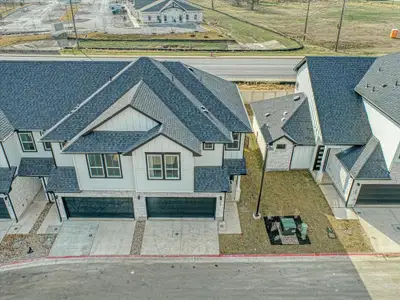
180,237
77,238
382,225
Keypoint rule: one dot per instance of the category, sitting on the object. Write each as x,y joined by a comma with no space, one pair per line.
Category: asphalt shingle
6,178
30,166
341,111
5,126
381,85
63,180
211,179
235,166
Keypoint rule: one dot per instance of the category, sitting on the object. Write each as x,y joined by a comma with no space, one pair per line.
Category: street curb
234,258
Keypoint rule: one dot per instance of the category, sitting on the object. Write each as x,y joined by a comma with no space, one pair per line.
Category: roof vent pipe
283,119
285,113
296,98
267,114
397,83
373,89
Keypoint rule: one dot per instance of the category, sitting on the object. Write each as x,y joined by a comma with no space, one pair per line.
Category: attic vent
204,109
283,119
285,113
296,98
267,114
190,69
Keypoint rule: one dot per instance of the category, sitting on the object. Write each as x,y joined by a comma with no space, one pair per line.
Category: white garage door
338,173
302,156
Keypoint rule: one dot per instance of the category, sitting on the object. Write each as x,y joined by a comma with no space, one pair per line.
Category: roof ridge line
112,79
187,93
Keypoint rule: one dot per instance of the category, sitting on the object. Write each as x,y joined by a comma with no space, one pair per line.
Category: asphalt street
127,279
234,69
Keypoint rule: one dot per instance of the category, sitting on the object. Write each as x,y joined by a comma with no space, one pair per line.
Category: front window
187,17
235,145
149,17
165,18
104,165
27,141
163,166
208,146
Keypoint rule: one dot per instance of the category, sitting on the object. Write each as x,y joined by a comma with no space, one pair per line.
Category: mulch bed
138,237
273,227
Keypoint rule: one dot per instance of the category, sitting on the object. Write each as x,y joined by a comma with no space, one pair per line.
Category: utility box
288,226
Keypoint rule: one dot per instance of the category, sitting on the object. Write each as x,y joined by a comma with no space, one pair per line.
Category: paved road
276,279
235,69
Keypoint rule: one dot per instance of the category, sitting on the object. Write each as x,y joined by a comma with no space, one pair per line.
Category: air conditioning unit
288,226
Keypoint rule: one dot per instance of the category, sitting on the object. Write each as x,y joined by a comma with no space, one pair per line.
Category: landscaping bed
288,193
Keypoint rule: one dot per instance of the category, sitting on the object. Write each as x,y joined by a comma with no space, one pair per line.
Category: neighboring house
349,135
167,12
120,140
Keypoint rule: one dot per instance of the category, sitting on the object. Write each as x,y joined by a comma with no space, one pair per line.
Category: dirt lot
366,25
289,193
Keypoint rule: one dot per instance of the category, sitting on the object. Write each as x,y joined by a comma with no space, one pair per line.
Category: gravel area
15,247
41,218
138,238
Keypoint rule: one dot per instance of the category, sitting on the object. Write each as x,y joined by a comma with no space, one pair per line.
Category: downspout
223,154
12,206
45,187
5,155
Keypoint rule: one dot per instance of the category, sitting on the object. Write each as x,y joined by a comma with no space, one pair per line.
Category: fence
250,96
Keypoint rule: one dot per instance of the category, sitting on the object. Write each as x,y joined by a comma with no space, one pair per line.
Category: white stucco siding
161,144
210,157
302,157
62,159
236,154
259,137
279,159
127,182
128,119
23,190
40,152
13,150
387,132
303,84
338,173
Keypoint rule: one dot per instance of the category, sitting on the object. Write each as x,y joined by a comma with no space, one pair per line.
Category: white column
238,190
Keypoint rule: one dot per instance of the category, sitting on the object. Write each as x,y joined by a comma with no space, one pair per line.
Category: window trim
22,144
163,168
44,143
208,149
284,148
104,166
239,143
62,144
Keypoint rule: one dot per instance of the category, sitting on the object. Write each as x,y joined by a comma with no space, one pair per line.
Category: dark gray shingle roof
5,126
63,180
235,166
37,94
30,166
211,179
6,178
159,6
162,83
341,111
365,162
105,142
381,85
296,124
142,3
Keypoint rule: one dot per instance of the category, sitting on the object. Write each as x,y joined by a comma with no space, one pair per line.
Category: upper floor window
208,146
163,166
235,145
195,17
27,141
46,145
104,165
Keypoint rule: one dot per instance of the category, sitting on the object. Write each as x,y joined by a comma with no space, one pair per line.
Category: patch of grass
154,45
8,40
288,193
366,25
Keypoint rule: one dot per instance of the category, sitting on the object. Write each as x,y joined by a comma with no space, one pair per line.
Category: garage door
302,156
180,207
378,194
91,207
3,209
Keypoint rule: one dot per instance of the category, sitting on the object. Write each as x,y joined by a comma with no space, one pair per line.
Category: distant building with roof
167,12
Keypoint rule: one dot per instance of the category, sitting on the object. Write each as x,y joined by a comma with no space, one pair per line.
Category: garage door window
163,166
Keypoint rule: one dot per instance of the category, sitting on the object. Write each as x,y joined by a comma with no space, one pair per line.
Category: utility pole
306,24
212,4
340,25
73,21
257,215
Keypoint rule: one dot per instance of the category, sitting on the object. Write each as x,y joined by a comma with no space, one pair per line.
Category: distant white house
167,12
343,124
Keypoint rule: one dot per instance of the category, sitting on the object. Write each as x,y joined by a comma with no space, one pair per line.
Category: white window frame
230,146
30,134
208,146
172,169
284,148
112,167
148,156
95,167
